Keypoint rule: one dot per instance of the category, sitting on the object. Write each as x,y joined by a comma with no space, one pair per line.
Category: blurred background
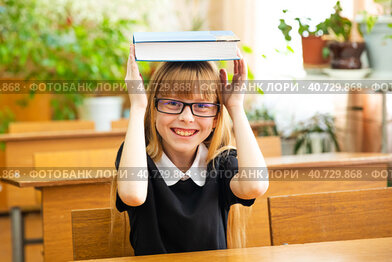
89,40
322,40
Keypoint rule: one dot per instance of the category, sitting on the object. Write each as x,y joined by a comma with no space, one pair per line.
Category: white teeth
184,133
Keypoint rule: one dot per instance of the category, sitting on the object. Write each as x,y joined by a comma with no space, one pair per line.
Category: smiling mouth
184,132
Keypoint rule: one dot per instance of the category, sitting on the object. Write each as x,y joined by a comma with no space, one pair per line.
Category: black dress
183,217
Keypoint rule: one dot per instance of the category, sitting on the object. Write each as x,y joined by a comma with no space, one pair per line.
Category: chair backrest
331,216
121,123
43,126
270,146
77,158
91,234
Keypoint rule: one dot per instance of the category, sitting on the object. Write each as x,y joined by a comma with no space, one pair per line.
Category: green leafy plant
318,124
303,29
338,27
263,114
50,43
370,20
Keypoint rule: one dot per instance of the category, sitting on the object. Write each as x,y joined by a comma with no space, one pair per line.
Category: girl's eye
203,106
173,103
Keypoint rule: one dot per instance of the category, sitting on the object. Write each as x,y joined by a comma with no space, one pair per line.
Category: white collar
171,174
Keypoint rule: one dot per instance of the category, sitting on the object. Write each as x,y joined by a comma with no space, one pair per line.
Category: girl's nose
186,114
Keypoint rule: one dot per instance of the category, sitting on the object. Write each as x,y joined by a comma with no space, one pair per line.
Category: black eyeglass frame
185,104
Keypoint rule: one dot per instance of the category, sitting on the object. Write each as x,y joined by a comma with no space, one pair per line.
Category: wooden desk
362,250
20,149
307,166
60,196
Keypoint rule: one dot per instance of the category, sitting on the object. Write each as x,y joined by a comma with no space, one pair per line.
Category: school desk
20,149
60,196
361,250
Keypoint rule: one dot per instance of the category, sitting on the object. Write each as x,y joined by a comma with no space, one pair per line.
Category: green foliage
338,25
49,43
303,27
370,21
262,114
320,123
325,52
285,29
335,24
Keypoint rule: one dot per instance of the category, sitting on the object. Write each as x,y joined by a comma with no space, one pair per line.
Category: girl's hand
134,81
232,97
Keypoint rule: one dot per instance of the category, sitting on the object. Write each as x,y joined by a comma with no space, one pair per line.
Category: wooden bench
331,216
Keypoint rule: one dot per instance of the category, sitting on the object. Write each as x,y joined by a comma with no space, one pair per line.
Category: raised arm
250,158
132,187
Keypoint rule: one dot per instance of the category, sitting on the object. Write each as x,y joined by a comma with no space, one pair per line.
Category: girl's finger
223,77
132,61
242,67
235,67
132,52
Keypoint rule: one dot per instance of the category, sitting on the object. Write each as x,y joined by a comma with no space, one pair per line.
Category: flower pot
101,110
287,145
346,55
312,51
320,142
378,45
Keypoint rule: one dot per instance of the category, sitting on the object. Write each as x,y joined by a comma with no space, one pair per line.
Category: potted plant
315,135
377,32
53,44
314,50
262,122
345,54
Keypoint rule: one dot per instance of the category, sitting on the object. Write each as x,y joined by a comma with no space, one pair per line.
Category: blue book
185,46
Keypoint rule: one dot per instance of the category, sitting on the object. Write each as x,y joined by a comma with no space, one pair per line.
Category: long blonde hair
189,74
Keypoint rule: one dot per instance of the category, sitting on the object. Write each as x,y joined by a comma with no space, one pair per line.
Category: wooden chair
77,158
257,224
331,216
45,126
121,123
270,146
32,197
91,234
99,198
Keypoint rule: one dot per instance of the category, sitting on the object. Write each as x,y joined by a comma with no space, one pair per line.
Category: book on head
185,46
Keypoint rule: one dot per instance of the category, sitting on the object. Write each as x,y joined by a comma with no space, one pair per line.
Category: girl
187,134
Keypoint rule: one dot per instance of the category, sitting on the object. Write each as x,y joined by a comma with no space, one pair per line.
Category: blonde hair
189,74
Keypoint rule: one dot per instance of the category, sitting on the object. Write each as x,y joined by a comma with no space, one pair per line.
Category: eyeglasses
175,107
